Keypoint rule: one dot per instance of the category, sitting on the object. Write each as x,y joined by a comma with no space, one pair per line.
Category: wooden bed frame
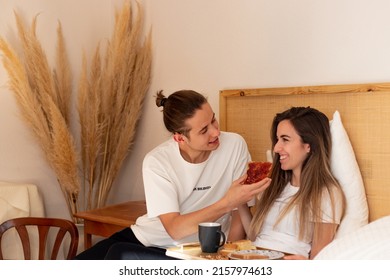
364,110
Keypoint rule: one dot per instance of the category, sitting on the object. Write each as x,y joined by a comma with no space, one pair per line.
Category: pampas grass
62,77
110,101
110,96
32,82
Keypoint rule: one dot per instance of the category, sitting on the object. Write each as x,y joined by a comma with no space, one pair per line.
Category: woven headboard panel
364,110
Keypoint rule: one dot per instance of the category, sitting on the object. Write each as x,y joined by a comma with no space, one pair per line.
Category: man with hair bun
196,176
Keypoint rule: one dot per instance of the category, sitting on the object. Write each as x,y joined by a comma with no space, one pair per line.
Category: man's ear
178,137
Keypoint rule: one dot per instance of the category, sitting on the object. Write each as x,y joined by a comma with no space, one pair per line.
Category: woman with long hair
301,209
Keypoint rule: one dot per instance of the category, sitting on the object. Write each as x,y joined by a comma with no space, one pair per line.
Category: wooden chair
43,225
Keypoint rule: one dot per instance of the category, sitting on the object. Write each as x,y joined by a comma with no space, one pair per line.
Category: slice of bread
244,244
234,246
228,248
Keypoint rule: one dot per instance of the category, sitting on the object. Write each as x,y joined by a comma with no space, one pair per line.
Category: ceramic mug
211,237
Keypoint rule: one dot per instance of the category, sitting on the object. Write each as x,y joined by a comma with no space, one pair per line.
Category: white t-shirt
175,185
284,236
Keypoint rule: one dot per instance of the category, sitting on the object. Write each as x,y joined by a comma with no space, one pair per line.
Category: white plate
272,255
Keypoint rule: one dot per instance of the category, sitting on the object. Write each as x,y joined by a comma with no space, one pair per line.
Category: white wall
205,45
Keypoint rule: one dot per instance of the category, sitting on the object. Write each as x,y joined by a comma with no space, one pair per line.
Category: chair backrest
43,225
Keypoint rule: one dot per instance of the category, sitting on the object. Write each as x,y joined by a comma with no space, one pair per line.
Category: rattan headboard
364,110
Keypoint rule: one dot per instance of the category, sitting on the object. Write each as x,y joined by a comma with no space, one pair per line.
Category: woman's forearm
246,217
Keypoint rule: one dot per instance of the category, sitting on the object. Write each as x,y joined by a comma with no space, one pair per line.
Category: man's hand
239,193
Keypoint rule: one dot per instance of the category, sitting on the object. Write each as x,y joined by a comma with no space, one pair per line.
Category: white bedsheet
370,242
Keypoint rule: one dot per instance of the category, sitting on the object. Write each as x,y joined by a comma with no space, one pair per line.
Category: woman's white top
175,185
284,236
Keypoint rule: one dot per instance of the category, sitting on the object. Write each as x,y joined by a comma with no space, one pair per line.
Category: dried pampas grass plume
62,76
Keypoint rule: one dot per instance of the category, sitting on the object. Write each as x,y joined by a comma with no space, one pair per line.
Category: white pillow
346,170
370,242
